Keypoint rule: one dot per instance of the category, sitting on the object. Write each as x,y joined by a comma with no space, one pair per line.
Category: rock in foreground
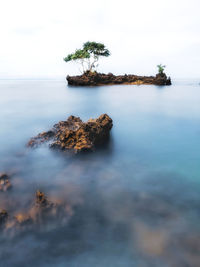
76,135
95,79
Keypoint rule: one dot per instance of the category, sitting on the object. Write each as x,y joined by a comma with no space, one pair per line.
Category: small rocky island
88,56
96,79
75,135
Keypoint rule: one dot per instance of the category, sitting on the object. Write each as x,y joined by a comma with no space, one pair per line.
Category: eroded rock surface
76,135
95,79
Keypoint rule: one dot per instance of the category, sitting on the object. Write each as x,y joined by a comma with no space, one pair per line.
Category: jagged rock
42,136
4,182
76,135
95,79
3,217
162,79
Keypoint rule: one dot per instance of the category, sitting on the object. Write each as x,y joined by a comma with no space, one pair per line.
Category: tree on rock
79,56
95,50
161,69
89,55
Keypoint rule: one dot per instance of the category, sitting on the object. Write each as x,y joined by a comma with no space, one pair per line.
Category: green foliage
97,49
161,68
79,54
89,55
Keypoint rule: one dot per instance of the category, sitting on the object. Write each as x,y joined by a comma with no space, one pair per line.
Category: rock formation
95,79
41,208
76,135
41,212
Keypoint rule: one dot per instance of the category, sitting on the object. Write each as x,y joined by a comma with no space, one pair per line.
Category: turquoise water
136,202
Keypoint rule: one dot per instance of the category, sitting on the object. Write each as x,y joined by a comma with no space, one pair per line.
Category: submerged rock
42,201
76,135
3,175
4,182
40,209
48,212
95,79
23,219
3,217
43,212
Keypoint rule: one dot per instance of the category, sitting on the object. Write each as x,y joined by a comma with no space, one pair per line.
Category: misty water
134,202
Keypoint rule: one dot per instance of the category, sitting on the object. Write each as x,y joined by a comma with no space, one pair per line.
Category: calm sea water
136,202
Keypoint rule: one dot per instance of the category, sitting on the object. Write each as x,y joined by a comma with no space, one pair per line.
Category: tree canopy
89,55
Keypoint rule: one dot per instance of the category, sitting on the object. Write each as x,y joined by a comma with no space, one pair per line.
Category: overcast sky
37,34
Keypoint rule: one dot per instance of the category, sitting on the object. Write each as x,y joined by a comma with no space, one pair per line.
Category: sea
134,202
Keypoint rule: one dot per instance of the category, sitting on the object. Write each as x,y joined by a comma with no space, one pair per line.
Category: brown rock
161,79
95,79
75,135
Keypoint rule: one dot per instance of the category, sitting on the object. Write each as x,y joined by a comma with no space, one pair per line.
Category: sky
37,34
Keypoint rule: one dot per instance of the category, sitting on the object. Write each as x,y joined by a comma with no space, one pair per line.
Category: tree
95,50
161,68
89,55
79,56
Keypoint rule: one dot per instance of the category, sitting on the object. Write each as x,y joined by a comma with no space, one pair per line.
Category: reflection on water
135,202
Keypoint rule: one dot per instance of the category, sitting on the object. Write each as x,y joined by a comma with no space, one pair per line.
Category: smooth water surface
136,202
